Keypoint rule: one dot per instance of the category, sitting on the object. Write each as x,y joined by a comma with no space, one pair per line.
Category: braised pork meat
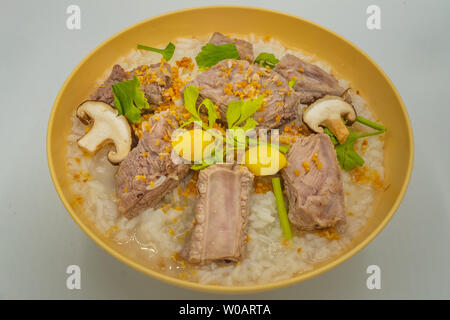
312,82
313,183
231,80
148,172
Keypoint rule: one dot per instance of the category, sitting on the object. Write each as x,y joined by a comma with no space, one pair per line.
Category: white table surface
38,238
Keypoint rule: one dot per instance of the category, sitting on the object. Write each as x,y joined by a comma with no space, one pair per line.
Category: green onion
284,221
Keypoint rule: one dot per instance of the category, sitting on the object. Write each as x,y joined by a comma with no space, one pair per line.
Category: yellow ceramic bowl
347,61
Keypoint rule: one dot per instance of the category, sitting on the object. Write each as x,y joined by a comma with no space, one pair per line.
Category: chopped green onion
284,220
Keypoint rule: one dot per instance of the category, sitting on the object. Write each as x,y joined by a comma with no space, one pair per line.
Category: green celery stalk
381,129
371,124
284,220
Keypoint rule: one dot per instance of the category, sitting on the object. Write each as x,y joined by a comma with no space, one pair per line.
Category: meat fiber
313,183
148,172
104,93
231,80
154,80
312,82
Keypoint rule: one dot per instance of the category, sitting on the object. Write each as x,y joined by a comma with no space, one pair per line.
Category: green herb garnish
292,82
333,138
249,124
267,60
279,199
191,94
283,148
201,166
241,110
211,111
347,157
238,116
211,54
372,125
129,99
167,52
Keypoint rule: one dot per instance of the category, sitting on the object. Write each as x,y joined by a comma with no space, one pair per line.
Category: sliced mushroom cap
108,127
329,112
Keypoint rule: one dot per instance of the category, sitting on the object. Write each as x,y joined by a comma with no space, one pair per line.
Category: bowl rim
221,288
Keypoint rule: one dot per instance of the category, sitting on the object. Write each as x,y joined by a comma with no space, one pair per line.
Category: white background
38,238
